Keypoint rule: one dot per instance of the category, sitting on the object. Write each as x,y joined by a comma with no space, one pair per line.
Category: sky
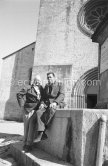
18,24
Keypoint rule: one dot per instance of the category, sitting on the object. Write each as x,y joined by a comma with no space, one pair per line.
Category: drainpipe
101,140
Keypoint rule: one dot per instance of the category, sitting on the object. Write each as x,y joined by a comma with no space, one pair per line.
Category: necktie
50,89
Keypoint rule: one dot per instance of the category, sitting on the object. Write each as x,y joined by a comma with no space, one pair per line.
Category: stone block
73,136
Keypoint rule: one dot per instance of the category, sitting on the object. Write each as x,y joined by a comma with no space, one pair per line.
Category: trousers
32,124
47,115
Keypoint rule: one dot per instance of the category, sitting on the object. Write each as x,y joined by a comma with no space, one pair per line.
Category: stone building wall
16,73
74,134
59,40
101,36
104,68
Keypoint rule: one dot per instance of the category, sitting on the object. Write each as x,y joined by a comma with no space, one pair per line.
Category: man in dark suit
53,98
29,99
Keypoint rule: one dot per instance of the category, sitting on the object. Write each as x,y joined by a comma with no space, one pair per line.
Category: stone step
35,158
9,161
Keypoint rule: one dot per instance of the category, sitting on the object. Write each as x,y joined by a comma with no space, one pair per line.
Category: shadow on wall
20,72
105,163
91,145
12,109
68,143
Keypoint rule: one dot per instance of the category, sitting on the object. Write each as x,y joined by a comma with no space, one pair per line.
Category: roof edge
18,50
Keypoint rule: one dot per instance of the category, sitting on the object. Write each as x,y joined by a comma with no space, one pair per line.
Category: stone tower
63,48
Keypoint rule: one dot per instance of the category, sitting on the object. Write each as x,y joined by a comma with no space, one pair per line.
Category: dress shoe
24,147
44,136
28,148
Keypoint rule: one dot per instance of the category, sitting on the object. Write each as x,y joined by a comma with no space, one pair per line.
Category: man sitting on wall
29,99
53,98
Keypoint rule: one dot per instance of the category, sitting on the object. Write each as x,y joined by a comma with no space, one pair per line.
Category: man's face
36,81
50,78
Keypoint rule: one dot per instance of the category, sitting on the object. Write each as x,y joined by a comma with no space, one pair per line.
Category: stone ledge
9,161
36,158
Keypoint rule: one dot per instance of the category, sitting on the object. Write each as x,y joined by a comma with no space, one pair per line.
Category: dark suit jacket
28,99
56,94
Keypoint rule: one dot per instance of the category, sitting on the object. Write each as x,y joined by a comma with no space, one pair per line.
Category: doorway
91,100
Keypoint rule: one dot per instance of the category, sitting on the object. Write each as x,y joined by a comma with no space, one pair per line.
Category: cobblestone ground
6,139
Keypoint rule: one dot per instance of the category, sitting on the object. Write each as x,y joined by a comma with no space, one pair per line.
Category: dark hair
51,73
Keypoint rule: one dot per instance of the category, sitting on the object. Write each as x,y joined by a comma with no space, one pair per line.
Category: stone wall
101,36
59,40
73,136
63,74
16,73
104,67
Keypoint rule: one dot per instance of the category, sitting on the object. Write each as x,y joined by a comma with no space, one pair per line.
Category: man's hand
41,106
53,105
31,113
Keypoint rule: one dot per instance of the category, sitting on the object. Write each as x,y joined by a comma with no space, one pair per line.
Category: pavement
10,132
11,127
11,142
